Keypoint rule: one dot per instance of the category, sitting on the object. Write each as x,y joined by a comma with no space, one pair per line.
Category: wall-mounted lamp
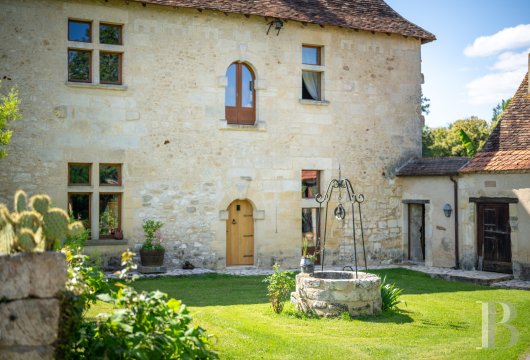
448,210
278,24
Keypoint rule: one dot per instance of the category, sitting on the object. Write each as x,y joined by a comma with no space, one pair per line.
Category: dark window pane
309,228
310,55
311,84
109,174
79,174
79,208
109,214
247,85
109,68
310,183
79,31
78,65
110,34
230,92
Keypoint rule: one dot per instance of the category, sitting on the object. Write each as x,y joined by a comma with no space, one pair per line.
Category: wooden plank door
494,244
416,233
240,234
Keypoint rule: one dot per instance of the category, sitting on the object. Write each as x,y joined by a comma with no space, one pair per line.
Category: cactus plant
36,227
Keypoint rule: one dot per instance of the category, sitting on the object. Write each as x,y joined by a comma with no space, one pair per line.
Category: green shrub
147,326
144,325
280,285
390,294
152,235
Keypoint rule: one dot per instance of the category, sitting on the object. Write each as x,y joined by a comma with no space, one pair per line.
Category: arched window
240,96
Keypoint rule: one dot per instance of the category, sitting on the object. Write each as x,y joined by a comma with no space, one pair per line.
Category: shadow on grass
397,316
393,316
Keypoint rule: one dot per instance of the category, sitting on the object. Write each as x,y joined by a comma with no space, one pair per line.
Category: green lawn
441,320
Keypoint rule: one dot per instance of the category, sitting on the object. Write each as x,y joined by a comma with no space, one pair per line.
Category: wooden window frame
318,182
120,68
70,193
238,115
120,209
89,22
120,35
89,174
89,64
319,54
119,166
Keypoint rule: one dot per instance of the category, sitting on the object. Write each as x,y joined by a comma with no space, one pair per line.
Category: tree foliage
9,111
498,111
439,142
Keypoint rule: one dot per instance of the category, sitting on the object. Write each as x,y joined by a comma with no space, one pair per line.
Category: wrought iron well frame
353,199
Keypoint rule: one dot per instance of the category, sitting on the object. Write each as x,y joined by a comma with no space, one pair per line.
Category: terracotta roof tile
371,15
508,147
432,166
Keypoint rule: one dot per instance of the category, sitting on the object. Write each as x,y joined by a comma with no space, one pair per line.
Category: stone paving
478,277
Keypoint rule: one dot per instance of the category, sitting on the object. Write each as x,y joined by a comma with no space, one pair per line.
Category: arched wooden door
240,234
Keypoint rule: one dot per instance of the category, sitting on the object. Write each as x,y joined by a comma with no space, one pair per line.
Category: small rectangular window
110,174
311,85
79,65
109,214
110,68
110,34
310,183
79,174
311,55
79,31
79,207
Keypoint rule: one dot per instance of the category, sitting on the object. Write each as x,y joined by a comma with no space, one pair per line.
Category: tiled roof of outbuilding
508,147
371,15
445,166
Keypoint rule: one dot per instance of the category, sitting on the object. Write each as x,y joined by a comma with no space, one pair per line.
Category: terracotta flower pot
152,257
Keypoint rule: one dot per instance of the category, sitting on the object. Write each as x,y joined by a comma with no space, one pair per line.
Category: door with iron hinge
240,234
494,246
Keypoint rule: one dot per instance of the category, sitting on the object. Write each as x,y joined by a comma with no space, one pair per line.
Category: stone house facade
489,198
221,119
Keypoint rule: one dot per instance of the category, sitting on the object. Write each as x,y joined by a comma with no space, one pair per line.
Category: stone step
473,276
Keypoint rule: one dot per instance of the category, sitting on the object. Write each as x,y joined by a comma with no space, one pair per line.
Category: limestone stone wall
29,304
182,163
330,293
435,191
515,186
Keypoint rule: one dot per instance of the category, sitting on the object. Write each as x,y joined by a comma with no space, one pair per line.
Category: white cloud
492,88
510,38
511,61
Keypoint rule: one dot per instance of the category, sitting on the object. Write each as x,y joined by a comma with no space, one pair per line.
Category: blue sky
480,57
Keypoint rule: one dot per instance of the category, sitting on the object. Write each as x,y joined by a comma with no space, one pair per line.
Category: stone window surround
259,85
95,47
95,189
311,203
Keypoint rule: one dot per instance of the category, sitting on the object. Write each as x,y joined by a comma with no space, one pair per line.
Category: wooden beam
415,201
493,200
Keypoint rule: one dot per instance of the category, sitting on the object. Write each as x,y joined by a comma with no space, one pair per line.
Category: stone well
329,293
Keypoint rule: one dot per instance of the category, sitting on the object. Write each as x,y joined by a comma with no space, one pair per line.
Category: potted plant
152,251
307,263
